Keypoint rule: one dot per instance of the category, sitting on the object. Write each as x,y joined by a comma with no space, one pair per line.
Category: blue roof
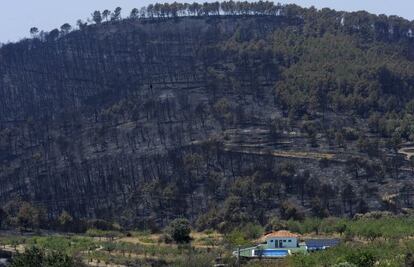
320,243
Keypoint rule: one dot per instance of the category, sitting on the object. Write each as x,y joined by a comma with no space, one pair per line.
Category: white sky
18,16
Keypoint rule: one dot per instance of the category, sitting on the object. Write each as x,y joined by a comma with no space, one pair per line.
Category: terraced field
136,249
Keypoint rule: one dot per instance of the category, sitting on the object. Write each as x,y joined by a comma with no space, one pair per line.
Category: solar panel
321,243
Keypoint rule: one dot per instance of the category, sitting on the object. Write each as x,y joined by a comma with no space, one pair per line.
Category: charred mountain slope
228,116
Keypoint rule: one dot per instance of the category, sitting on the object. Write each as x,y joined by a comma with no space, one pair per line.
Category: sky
18,16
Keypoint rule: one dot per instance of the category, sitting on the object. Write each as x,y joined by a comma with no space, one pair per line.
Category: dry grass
19,248
287,154
206,240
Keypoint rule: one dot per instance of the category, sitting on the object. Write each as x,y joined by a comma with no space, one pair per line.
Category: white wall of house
282,242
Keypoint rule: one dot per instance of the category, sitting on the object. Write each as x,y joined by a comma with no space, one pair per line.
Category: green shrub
236,238
361,258
252,231
179,230
66,245
199,260
38,257
344,264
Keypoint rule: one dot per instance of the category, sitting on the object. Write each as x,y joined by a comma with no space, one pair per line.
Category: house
283,243
281,239
274,245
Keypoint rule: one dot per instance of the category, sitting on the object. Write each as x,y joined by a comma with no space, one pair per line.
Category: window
271,240
284,241
289,240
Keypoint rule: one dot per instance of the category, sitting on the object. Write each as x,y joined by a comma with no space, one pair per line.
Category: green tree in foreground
362,259
37,257
179,230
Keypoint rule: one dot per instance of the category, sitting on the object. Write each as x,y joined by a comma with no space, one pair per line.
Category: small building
281,239
277,244
283,243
